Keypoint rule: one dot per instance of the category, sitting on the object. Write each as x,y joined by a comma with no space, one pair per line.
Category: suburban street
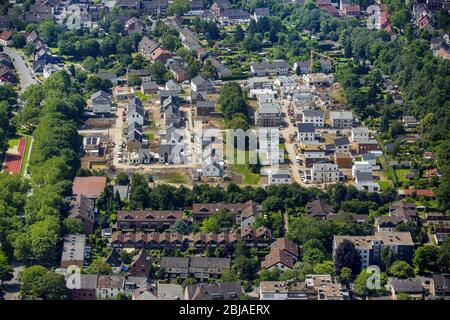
22,67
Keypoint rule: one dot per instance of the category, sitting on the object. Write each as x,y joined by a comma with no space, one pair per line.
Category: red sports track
14,161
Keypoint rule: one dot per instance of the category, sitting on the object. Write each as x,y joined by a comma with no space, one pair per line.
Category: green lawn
176,177
385,185
248,176
26,156
401,174
13,142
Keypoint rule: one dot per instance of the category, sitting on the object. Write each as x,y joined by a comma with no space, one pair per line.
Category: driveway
23,68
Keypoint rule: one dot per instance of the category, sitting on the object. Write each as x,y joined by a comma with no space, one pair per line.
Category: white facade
361,166
135,117
324,172
360,134
315,117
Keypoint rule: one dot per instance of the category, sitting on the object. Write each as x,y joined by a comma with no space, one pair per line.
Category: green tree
99,267
426,259
362,288
401,269
178,7
29,276
51,286
347,255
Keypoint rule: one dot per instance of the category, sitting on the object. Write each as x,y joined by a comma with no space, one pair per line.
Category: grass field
385,185
248,177
26,157
13,142
401,174
176,177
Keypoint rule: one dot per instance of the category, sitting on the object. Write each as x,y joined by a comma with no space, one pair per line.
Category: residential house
141,265
109,286
341,144
147,220
279,177
314,116
234,16
91,187
275,68
214,291
283,290
147,47
201,84
84,209
440,286
200,268
135,25
74,250
411,286
219,6
319,209
360,134
365,181
367,147
325,172
268,115
204,108
341,119
260,12
85,289
101,102
306,131
410,122
6,38
135,112
200,211
178,71
211,168
278,259
302,67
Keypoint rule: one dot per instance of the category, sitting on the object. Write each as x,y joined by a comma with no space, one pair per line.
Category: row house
234,16
275,68
242,211
259,237
147,220
200,268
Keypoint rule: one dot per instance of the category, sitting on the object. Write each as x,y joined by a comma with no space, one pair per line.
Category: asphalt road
23,68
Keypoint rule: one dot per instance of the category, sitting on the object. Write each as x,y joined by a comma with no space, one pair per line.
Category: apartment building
370,247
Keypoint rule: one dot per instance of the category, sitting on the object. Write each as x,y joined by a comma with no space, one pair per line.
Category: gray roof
262,11
268,108
312,113
368,156
88,281
413,285
341,141
123,191
205,104
134,126
135,105
215,291
281,174
174,262
306,127
210,262
270,65
364,176
74,245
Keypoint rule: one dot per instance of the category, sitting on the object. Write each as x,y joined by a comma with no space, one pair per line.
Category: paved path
23,68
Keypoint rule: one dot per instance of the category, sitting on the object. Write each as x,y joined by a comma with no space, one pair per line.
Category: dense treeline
54,162
7,100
